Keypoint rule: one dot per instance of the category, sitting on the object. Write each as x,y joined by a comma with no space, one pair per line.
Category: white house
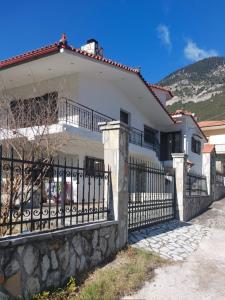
215,132
88,89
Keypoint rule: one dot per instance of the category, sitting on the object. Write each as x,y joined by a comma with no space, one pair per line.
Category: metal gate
151,194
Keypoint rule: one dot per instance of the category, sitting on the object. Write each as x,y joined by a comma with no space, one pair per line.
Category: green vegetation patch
125,274
213,109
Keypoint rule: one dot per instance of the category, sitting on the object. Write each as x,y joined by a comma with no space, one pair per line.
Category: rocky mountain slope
198,82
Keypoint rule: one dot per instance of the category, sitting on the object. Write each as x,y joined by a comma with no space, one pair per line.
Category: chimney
93,47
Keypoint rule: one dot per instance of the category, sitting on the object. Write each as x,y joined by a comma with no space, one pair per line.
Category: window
149,135
35,111
195,145
94,165
170,143
124,117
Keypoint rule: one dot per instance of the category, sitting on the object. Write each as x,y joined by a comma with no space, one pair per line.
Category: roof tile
211,123
208,148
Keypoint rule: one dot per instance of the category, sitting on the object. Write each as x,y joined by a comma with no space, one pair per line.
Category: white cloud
194,53
164,35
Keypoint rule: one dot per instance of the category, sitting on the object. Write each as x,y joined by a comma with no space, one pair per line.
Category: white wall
219,142
107,98
188,128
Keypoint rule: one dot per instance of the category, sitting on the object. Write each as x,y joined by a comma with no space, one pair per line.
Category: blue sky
159,36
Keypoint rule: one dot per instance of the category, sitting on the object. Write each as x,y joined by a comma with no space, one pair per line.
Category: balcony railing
78,114
71,112
137,137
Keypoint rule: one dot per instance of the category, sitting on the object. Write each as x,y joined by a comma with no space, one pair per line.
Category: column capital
179,155
112,125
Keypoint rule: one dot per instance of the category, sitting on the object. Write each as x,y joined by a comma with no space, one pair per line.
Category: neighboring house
162,93
87,89
215,132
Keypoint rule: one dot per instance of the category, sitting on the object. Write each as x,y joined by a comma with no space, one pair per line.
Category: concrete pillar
115,140
206,170
209,170
179,164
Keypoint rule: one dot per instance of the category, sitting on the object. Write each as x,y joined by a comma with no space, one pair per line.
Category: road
202,274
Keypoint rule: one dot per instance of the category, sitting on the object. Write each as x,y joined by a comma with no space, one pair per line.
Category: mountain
199,87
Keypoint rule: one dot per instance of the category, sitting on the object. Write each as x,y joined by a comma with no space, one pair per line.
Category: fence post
66,111
209,170
115,140
179,164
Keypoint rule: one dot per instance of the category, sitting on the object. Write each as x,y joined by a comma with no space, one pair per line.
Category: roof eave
29,56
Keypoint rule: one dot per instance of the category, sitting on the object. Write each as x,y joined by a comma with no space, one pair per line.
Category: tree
27,129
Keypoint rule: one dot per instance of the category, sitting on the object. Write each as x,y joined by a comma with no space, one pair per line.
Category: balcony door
171,142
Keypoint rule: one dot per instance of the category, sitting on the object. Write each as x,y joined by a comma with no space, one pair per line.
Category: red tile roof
161,88
208,148
55,48
211,123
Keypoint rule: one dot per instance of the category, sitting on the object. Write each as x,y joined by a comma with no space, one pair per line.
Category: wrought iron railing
196,185
78,114
137,137
38,195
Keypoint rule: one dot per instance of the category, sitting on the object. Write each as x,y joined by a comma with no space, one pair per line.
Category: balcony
136,137
68,111
77,114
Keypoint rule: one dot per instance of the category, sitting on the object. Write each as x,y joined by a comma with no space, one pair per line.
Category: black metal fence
37,195
151,194
220,179
196,185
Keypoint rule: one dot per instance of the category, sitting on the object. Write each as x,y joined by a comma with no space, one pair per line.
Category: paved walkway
201,275
174,240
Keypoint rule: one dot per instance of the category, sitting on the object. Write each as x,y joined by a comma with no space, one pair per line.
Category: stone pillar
179,164
115,140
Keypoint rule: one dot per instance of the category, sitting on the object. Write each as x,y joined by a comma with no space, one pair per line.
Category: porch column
179,164
115,140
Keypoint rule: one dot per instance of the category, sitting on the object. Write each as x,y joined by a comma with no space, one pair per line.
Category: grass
125,274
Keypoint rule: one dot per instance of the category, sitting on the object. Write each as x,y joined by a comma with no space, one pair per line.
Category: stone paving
172,240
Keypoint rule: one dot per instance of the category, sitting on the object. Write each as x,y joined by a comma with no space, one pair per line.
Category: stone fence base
195,205
219,192
31,264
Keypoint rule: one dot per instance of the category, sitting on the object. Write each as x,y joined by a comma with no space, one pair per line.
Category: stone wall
219,192
30,264
194,205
